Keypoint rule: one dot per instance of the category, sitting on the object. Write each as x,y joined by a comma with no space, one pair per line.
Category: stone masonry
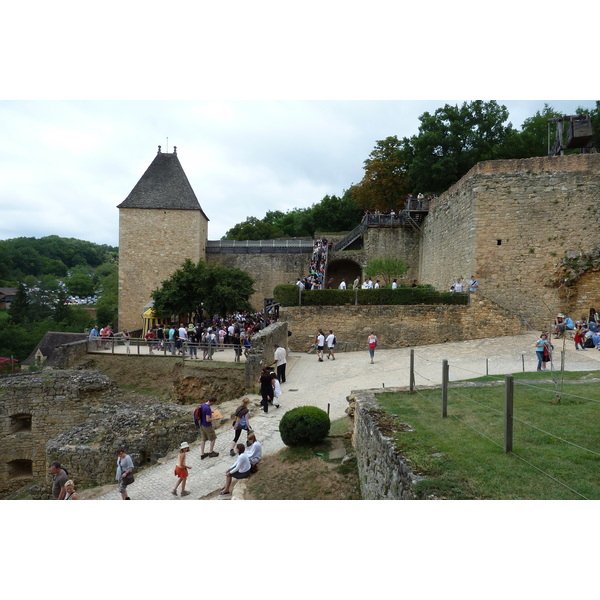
514,224
398,326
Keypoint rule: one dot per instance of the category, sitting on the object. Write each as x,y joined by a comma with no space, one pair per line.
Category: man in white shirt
300,284
369,284
394,284
376,286
330,345
281,359
473,285
342,285
458,286
320,343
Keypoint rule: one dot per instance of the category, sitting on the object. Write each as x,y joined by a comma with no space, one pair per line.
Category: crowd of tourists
315,280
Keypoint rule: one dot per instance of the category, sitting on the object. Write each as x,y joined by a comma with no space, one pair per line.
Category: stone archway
343,269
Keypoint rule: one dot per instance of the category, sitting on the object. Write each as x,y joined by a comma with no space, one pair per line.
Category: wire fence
455,401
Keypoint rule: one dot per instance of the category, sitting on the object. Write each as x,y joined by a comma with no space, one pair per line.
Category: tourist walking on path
241,422
207,432
266,389
276,389
542,349
240,470
70,493
124,472
330,345
281,359
372,341
181,470
320,344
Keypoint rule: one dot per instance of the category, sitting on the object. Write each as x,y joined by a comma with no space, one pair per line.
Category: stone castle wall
398,326
511,223
395,242
152,245
267,270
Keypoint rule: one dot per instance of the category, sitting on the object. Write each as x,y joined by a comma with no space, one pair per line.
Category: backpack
334,340
197,413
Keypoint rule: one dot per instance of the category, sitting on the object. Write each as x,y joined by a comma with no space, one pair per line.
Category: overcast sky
66,165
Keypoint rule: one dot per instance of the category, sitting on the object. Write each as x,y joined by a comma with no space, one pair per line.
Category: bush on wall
304,426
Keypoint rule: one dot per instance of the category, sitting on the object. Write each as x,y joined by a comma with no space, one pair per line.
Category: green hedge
287,295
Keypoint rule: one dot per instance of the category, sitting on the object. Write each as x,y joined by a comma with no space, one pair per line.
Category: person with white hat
181,470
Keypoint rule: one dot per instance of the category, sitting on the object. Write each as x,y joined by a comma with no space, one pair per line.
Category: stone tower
161,224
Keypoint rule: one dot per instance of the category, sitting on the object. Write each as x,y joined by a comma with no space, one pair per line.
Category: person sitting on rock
240,470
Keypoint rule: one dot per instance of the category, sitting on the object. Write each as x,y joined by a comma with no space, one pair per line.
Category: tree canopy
385,183
331,213
452,140
198,287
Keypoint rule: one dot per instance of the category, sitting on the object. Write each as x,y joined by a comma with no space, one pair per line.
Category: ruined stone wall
152,245
53,402
398,326
383,474
511,223
267,270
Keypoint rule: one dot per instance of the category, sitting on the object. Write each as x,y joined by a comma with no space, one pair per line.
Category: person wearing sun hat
181,470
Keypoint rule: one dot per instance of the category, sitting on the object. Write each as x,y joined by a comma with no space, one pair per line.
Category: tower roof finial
158,150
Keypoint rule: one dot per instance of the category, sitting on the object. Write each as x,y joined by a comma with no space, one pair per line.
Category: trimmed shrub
287,295
304,426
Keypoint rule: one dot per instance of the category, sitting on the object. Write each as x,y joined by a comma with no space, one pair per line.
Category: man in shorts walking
207,432
320,343
330,345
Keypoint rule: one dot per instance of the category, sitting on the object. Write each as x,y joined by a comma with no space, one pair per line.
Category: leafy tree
384,185
337,214
387,268
81,282
253,229
452,140
194,287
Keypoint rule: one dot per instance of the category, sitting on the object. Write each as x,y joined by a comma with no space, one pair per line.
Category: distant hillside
25,257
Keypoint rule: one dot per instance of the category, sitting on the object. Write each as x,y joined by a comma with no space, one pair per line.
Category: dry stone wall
383,473
398,326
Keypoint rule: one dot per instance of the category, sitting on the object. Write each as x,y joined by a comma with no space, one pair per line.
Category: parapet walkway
328,384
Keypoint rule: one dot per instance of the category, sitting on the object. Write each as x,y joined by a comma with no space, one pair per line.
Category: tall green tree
451,141
385,184
198,286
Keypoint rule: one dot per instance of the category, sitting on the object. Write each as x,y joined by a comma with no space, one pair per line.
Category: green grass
457,462
548,375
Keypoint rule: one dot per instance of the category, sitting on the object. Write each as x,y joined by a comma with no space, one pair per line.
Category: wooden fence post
412,371
444,388
509,385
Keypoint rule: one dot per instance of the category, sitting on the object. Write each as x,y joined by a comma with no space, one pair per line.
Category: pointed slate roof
164,185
